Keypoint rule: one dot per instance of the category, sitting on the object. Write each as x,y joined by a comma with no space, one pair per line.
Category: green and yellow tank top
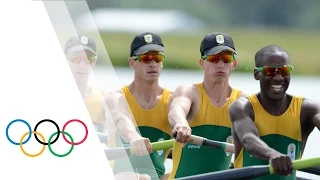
152,124
212,123
95,107
282,133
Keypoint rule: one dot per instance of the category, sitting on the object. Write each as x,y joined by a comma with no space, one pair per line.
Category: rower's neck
145,91
218,93
274,107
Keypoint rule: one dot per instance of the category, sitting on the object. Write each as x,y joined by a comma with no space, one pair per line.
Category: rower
272,126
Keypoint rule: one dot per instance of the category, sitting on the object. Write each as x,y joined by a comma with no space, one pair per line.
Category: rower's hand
142,146
144,177
281,164
181,132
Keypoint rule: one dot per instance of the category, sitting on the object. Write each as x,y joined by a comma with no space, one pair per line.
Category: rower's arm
316,116
310,114
245,129
120,117
169,105
180,105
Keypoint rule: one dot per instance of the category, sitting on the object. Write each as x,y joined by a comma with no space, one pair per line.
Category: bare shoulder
170,97
189,91
186,87
114,97
240,107
243,94
112,94
239,104
310,107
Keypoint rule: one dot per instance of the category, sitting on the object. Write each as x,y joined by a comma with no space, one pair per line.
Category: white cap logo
84,40
148,38
220,39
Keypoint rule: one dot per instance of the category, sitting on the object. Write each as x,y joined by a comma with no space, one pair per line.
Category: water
307,86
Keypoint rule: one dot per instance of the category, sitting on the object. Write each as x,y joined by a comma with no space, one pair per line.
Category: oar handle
227,147
196,140
160,145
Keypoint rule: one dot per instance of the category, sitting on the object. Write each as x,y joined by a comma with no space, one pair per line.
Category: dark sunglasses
147,58
226,57
273,70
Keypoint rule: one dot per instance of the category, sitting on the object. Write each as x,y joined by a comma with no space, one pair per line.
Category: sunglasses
226,57
146,58
273,70
77,59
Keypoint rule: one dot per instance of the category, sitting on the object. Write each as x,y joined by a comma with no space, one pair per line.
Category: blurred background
292,24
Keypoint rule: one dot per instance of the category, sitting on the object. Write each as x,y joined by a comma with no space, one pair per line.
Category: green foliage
182,51
270,13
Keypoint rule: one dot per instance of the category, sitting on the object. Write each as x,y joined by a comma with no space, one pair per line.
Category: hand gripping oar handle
251,172
115,153
302,164
227,147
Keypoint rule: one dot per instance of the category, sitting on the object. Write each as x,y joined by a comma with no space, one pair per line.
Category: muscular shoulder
190,91
243,94
114,97
240,107
170,97
187,87
309,107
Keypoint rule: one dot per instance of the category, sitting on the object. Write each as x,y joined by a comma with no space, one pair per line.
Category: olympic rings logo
43,142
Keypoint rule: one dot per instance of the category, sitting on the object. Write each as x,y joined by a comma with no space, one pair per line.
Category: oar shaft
306,163
115,153
102,137
156,146
252,171
302,164
233,174
162,145
315,170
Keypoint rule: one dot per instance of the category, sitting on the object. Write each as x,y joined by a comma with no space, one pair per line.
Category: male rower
80,52
202,109
271,126
140,111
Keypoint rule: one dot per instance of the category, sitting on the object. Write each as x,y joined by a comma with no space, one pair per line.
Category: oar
203,142
223,146
227,147
115,153
102,137
313,170
252,172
